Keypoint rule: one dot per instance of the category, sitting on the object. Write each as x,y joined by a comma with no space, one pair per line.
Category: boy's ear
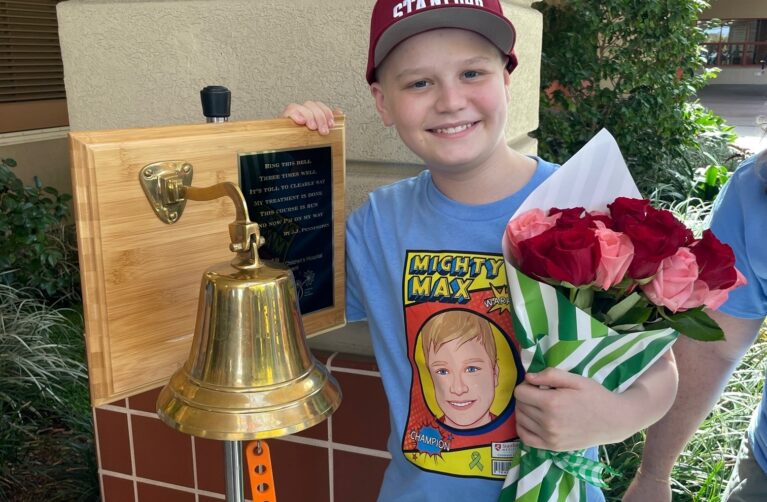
381,104
506,82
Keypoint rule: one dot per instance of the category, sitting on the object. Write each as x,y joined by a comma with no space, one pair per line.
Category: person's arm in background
704,369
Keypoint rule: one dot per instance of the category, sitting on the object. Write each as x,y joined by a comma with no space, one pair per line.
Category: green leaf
637,315
695,324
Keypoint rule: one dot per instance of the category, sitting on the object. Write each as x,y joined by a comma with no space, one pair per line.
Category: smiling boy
439,73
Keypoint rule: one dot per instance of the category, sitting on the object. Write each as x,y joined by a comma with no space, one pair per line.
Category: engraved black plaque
289,195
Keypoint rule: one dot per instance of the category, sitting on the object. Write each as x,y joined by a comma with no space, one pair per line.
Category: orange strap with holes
260,471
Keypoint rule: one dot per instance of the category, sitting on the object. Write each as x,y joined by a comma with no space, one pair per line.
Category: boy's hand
315,115
561,411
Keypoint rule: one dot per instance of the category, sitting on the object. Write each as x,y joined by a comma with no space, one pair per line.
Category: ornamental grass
46,435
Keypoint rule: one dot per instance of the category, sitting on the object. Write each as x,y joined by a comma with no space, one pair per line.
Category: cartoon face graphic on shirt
461,358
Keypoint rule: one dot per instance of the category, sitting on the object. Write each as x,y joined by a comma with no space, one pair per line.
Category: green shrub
702,169
37,245
633,68
46,437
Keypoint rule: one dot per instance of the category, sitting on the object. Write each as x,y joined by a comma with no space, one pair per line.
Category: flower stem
583,298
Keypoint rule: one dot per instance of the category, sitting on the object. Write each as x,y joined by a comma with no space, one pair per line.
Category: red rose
626,211
659,236
716,261
604,218
571,217
579,217
562,254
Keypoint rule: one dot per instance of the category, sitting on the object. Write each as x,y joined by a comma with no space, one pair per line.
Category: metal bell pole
235,489
216,106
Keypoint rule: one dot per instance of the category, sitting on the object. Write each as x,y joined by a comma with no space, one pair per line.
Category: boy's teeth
454,130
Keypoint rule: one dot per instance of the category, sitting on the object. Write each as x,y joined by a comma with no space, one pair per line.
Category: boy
439,73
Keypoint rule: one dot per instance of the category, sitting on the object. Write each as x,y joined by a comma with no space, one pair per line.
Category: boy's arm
561,411
704,368
315,115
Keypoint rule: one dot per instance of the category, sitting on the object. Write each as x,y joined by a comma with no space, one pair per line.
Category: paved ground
743,106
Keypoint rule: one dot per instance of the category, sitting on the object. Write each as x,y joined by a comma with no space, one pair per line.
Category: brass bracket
168,185
164,184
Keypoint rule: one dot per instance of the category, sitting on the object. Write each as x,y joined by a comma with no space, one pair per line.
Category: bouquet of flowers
603,292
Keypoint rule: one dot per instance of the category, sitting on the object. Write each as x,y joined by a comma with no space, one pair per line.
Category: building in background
737,41
32,92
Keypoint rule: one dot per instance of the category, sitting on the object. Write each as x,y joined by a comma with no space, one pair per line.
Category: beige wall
134,63
140,63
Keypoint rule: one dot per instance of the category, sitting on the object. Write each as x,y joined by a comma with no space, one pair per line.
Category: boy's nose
450,99
457,386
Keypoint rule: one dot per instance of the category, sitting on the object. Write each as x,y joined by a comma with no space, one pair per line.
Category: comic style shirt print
465,364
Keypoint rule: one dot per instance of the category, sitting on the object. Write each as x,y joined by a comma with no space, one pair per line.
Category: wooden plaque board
140,276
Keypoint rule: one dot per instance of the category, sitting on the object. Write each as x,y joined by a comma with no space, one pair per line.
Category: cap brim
497,29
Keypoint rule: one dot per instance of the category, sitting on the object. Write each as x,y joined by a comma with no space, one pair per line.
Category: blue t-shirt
414,255
740,220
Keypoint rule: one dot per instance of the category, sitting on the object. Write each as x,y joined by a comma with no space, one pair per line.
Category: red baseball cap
395,20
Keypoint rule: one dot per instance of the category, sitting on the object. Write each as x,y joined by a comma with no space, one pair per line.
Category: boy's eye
472,369
419,84
441,371
471,74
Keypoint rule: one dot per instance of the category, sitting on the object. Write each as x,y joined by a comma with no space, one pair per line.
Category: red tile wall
143,460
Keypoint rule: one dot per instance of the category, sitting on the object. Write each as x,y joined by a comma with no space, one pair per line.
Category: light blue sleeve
740,220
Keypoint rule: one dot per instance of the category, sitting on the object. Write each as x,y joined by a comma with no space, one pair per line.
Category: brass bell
250,374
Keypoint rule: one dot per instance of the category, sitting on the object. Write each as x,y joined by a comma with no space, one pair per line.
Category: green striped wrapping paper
552,332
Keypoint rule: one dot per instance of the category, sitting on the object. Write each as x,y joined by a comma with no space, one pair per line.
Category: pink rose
711,298
674,282
527,225
617,253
